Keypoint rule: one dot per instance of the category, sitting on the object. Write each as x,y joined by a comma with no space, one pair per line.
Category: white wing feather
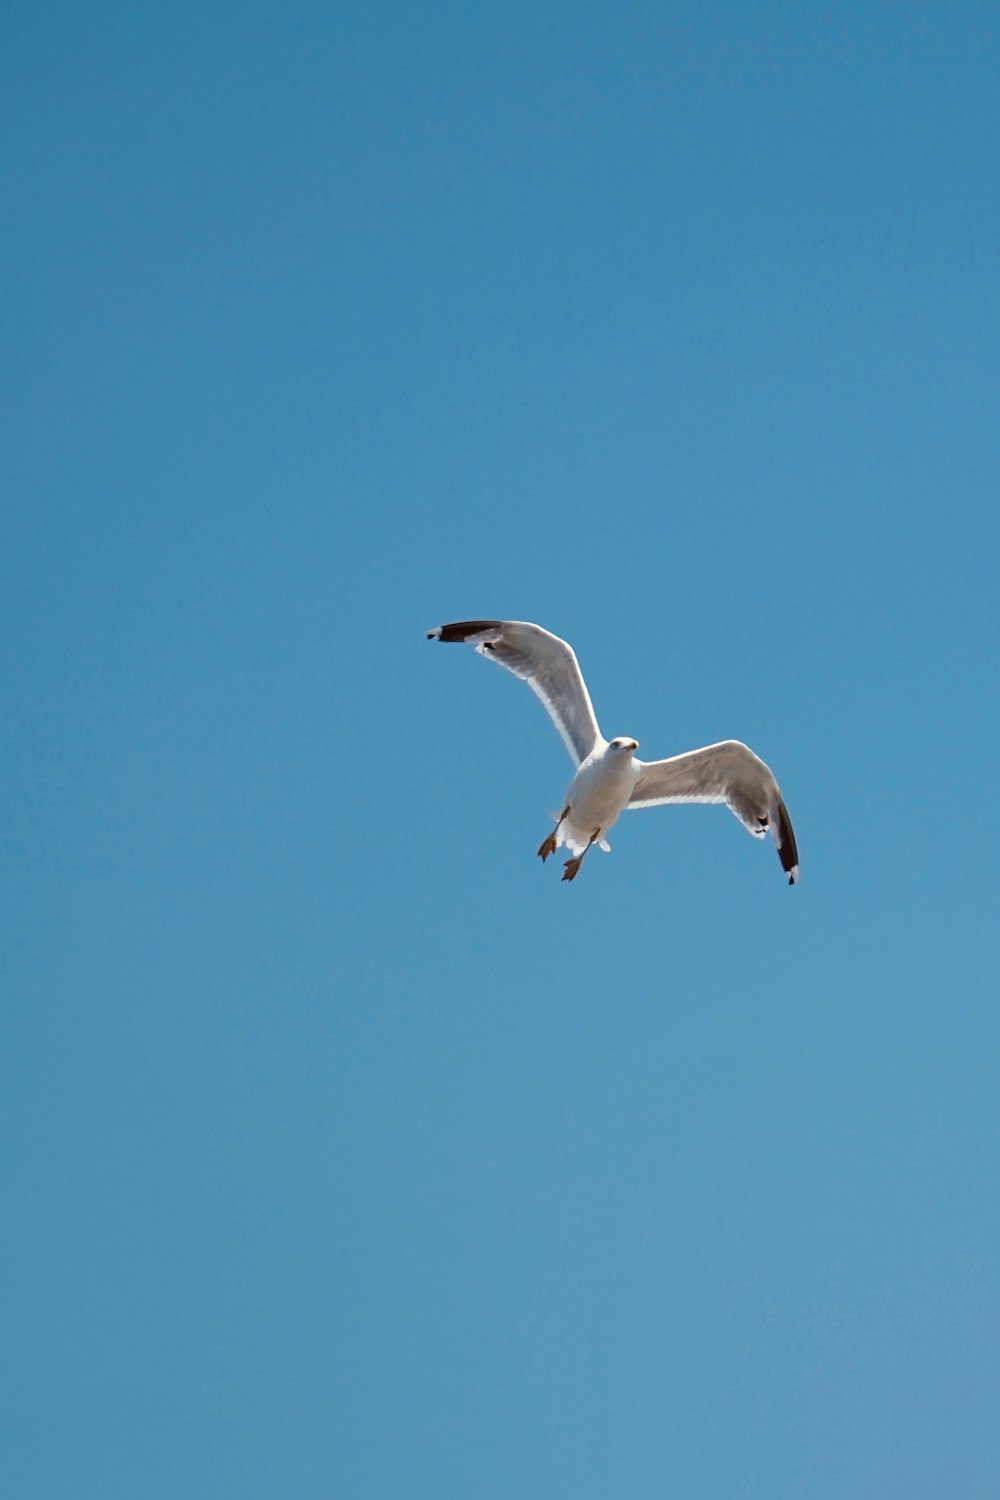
547,664
728,772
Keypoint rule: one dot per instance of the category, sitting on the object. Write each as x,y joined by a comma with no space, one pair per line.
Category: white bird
609,777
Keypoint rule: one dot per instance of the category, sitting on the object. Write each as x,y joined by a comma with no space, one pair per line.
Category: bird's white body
598,794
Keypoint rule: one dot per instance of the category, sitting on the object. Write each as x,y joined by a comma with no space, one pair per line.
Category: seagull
609,777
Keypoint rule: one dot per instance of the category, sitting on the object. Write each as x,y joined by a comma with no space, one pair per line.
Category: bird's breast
601,789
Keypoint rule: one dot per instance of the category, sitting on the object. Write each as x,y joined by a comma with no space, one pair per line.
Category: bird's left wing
728,772
547,664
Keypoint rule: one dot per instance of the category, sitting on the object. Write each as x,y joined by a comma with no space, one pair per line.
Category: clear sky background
348,1151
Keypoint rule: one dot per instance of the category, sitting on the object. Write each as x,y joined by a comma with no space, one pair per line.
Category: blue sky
348,1151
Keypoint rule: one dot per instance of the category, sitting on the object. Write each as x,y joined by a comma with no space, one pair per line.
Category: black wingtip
787,848
460,630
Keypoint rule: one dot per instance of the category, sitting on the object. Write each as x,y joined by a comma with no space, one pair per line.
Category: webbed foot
548,847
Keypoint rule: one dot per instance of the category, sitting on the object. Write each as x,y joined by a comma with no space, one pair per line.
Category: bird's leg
573,865
549,844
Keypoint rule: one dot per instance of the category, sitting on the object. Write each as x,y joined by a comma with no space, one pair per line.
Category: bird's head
624,746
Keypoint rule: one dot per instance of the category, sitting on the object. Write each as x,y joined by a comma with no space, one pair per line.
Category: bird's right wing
547,664
728,772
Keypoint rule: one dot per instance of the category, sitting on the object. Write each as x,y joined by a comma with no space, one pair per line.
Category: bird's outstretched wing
547,664
728,772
